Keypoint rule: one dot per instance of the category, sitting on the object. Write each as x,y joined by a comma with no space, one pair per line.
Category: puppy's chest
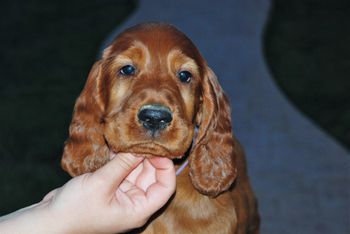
192,212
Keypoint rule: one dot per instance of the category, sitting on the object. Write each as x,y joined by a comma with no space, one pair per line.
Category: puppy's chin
153,155
151,150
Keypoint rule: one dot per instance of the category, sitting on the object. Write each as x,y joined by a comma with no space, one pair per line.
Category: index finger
160,192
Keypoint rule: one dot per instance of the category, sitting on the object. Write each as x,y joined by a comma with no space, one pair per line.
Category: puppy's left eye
127,70
185,76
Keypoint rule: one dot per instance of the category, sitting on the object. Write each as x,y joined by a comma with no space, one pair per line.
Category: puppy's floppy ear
85,150
212,160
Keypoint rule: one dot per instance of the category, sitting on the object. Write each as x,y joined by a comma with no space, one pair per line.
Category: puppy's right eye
127,70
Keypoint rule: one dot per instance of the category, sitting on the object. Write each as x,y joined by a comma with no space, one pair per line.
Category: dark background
47,48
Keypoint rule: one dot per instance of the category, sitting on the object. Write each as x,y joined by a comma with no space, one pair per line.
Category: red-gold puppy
153,94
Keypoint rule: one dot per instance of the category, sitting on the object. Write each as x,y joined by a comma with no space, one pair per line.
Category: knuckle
97,180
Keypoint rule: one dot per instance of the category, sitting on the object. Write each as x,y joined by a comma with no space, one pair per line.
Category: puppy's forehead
159,39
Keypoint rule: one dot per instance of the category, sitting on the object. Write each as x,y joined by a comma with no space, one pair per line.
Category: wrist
36,218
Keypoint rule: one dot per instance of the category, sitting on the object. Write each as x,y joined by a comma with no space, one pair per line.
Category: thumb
115,171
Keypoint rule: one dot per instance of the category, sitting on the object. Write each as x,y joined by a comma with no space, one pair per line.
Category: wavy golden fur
213,193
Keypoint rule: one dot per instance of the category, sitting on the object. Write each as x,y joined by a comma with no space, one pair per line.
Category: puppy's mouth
149,150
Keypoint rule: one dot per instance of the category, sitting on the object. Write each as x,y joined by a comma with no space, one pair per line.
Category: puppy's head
153,74
146,96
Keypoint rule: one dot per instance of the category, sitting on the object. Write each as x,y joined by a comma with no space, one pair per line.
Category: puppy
153,94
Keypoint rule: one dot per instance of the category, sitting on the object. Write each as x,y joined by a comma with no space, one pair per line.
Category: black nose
155,117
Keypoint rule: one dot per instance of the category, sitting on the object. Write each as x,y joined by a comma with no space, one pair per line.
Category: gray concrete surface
300,175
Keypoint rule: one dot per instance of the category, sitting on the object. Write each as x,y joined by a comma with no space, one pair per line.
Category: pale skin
120,196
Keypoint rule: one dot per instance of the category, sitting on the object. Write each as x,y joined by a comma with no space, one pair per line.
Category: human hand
105,202
111,199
